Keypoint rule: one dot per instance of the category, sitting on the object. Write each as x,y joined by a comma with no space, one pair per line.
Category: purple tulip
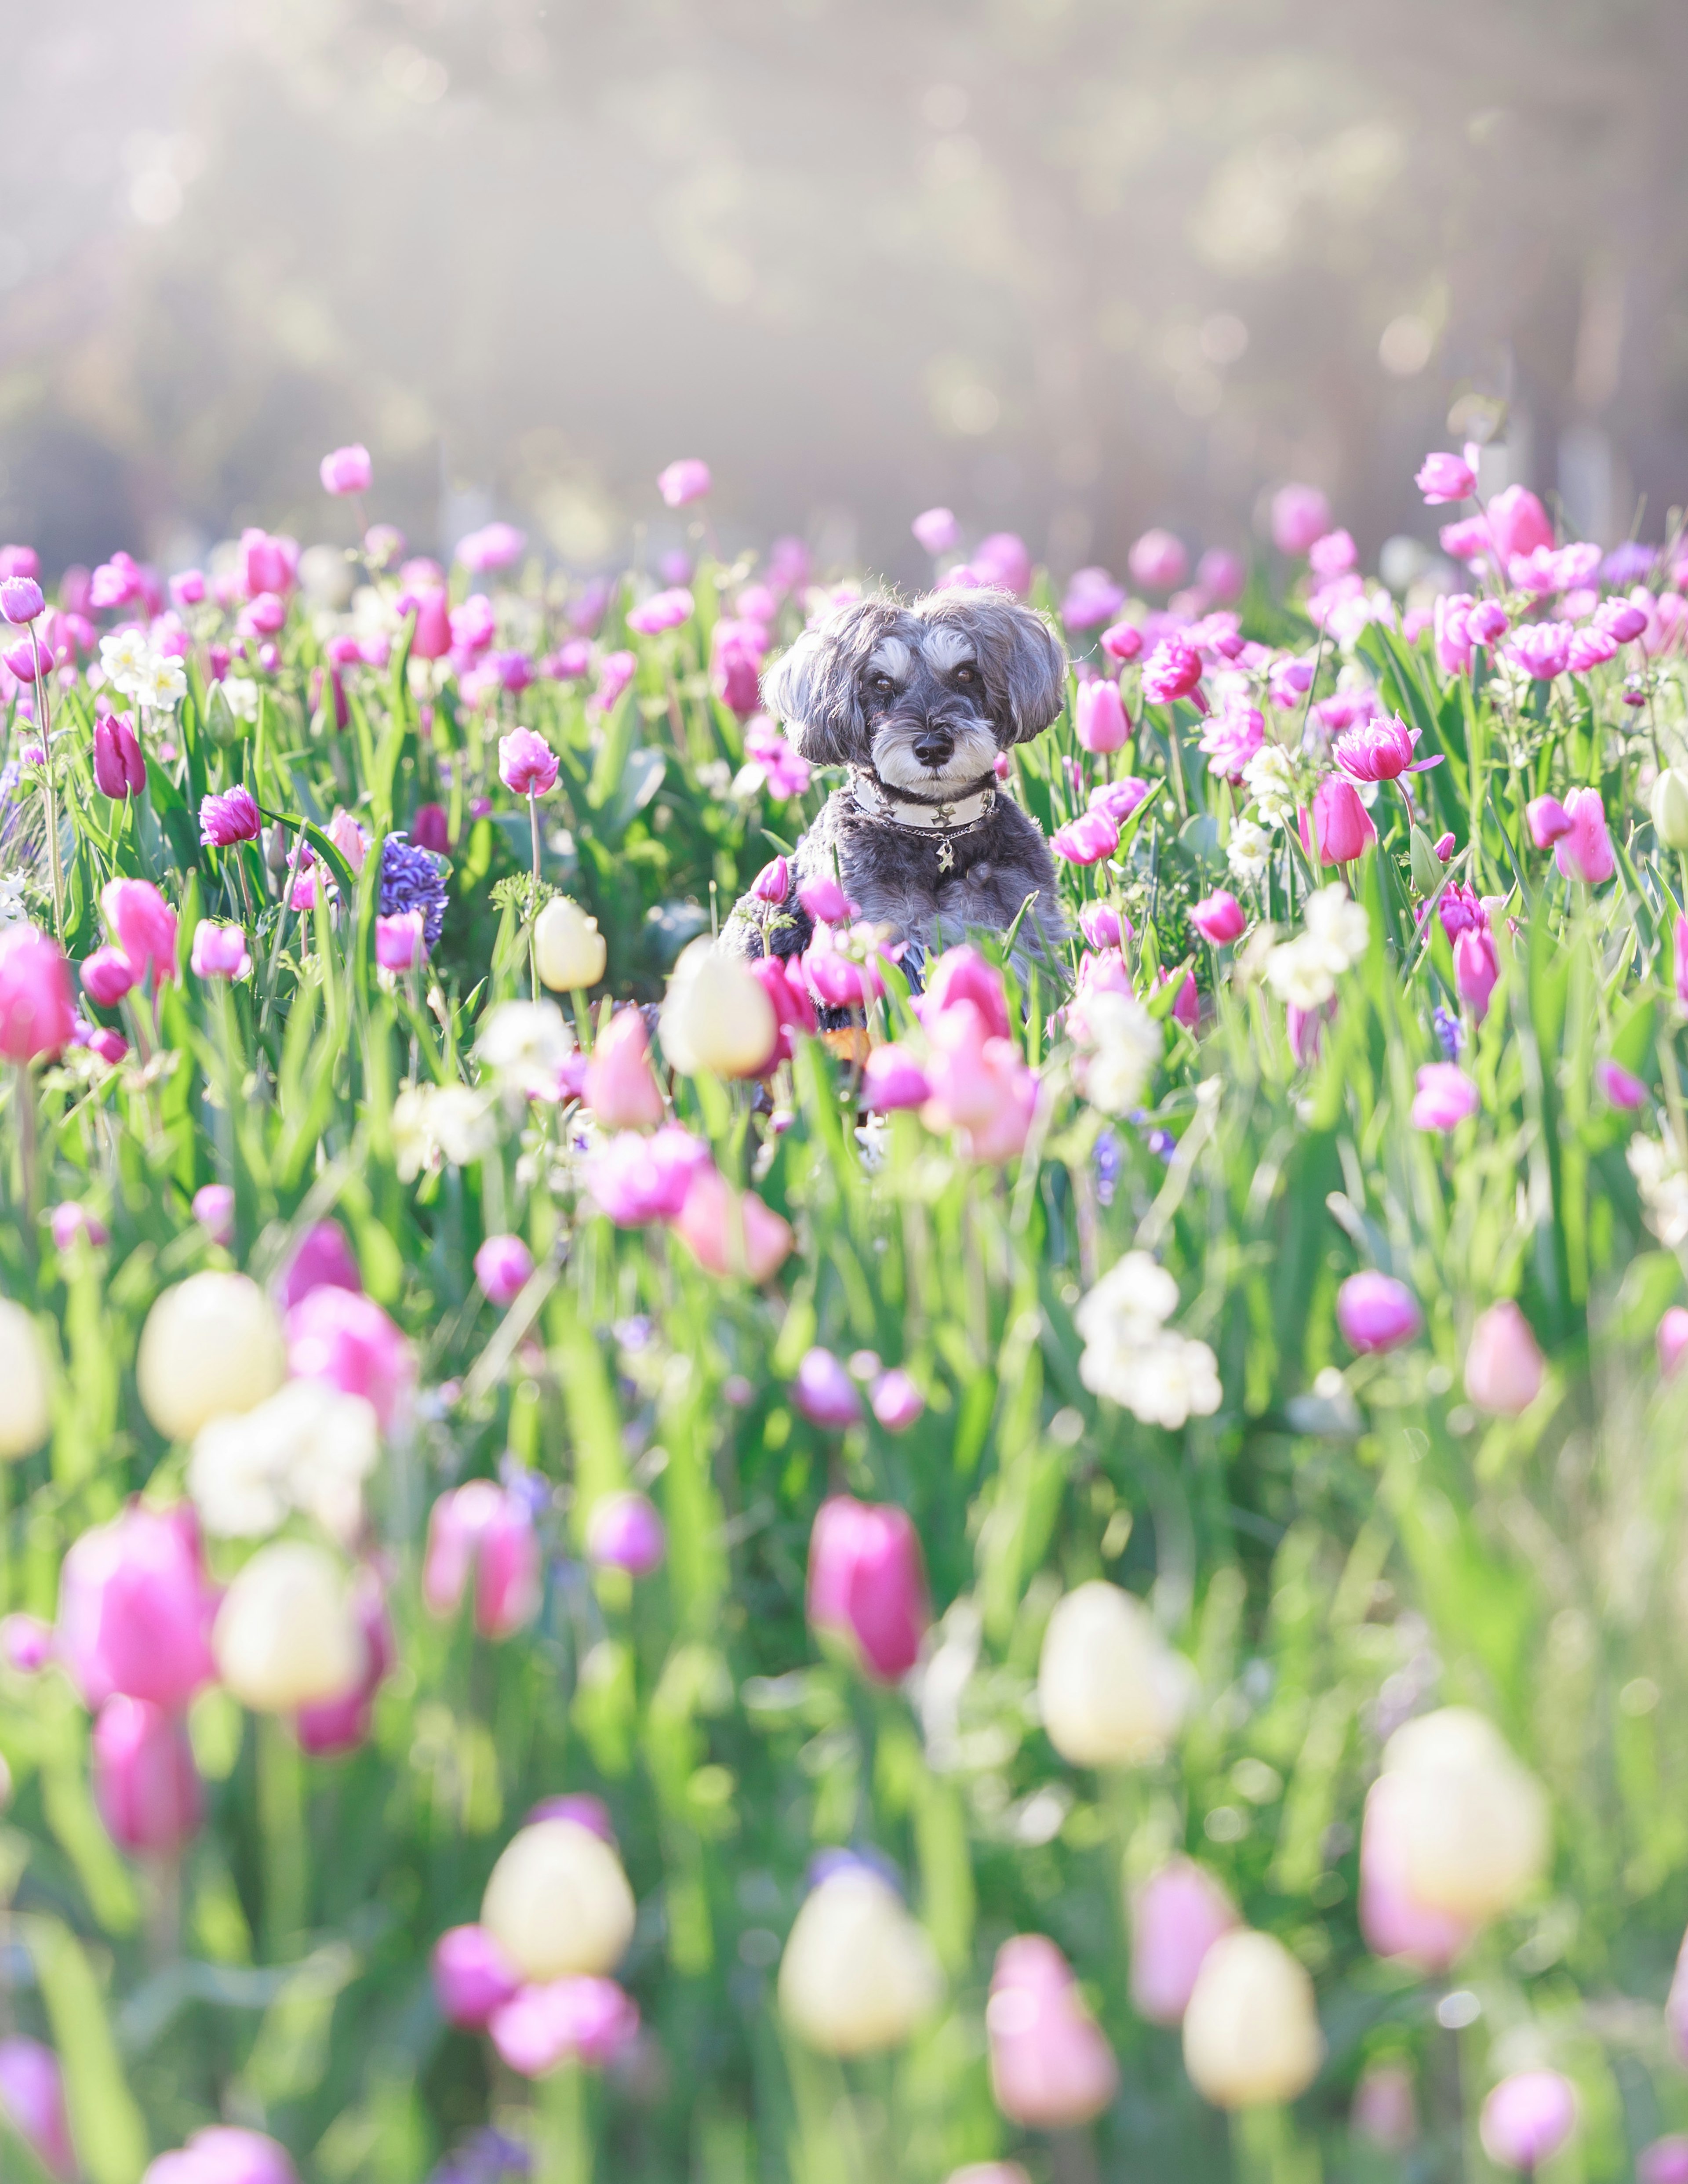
684,481
895,1401
232,817
1376,1313
824,1391
22,600
936,529
348,470
624,1531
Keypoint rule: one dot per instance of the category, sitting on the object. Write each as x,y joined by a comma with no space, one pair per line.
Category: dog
918,700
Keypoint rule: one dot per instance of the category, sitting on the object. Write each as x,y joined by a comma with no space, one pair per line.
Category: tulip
1087,839
1384,2112
624,1531
348,470
936,529
1376,1313
1111,1692
1446,478
322,1259
270,565
1444,1098
730,1232
145,1783
472,1977
401,941
1176,1917
1099,715
1051,2067
1172,670
210,1346
32,2099
1476,970
1548,821
1470,1822
1670,808
826,901
135,1609
144,925
620,1088
286,1635
1299,514
867,1584
1664,2162
1392,1920
26,1377
858,1974
37,1009
219,951
1001,560
1158,561
716,1016
1219,918
896,1402
1626,623
636,1180
587,2021
891,1078
1101,924
772,883
1673,1341
70,1221
1503,1363
502,1267
684,481
1250,2032
1583,850
980,1088
1123,642
558,1903
1591,648
26,1643
109,1046
824,1392
223,2154
337,1335
214,1209
567,946
483,1530
1342,827
988,2172
1527,2118
1518,523
1541,650
528,765
119,766
1620,1087
329,1727
21,598
962,974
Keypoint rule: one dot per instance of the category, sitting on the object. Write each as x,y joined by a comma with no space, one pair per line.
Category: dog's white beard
896,765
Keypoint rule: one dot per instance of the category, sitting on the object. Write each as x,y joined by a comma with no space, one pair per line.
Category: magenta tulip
1518,523
1219,918
135,1609
962,974
1619,1087
1101,924
867,1584
1172,670
482,1531
1446,478
1124,641
1583,850
1341,826
401,941
1673,1341
144,927
348,470
1001,560
1376,1313
120,767
472,1977
1087,839
1099,715
493,546
1476,970
1548,821
322,1259
625,1531
891,1078
1664,2162
37,1007
527,763
584,2019
503,1267
145,1783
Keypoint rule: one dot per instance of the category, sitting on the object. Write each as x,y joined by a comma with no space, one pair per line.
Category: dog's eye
966,672
881,683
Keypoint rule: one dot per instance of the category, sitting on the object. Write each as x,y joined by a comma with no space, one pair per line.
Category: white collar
924,818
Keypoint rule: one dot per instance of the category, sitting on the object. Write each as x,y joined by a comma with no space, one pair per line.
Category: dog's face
925,694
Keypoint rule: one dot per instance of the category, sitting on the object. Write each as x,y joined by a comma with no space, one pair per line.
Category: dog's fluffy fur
922,696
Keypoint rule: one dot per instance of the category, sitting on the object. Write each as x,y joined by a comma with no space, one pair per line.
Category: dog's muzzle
931,741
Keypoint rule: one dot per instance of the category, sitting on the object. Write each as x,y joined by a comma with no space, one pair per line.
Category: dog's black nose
933,747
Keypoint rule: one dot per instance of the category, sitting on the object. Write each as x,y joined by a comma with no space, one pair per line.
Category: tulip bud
867,1584
224,2155
287,1634
26,1378
715,1017
1393,1921
1112,1691
1503,1364
858,1974
620,1087
1050,2065
1670,808
558,1903
1099,716
568,948
1472,1822
1527,2118
626,1532
1250,2033
32,2099
145,1783
896,1402
586,2020
480,1527
1176,1917
211,1346
503,1265
472,1977
134,1608
1219,919
1376,1313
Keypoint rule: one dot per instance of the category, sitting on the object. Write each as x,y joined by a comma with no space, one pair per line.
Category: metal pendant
946,855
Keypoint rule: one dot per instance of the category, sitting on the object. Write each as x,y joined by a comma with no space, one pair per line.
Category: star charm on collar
946,855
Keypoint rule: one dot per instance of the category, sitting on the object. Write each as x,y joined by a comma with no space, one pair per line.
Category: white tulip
1474,1823
1111,1690
211,1345
715,1017
1250,2033
858,1974
568,947
25,1383
558,1902
286,1635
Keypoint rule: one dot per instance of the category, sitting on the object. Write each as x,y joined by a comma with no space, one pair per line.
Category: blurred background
1071,266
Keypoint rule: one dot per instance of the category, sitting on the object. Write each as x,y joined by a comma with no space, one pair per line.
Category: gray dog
917,701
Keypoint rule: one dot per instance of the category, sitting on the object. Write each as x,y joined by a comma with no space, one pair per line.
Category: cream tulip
715,1017
211,1346
25,1383
1250,2034
858,1974
1112,1692
568,948
558,1903
1670,808
1473,1823
288,1635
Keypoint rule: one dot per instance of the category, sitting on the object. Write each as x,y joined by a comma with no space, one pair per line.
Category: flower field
1077,1580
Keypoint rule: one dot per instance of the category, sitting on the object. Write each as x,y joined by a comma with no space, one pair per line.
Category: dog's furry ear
813,686
1023,660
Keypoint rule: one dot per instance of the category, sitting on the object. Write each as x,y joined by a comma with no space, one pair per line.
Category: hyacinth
413,879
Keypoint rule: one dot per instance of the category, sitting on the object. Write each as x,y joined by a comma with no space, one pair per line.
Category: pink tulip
348,1341
867,1584
1101,926
962,974
892,1079
503,1267
1548,821
684,481
219,951
1334,555
662,610
135,1609
936,529
109,1046
431,634
1099,716
615,670
38,1008
322,1259
472,1977
1583,850
331,1727
1673,1341
1664,2162
895,1401
1541,649
636,1180
1384,2112
1527,2118
838,980
145,1783
732,1232
1050,2065
1341,826
584,2019
1187,1008
214,1209
626,1532
1680,958
826,901
32,2098
1158,561
1123,642
981,1088
348,470
270,565
1518,523
26,1643
22,600
1001,560
824,1392
1392,1921
1087,839
1503,1363
1446,1096
772,883
1177,1915
1619,1087
144,927
1230,739
1299,514
1380,751
69,1221
482,1531
401,942
1376,1313
1476,970
1591,649
1173,671
780,979
1446,478
1623,621
1219,918
620,1087
120,767
223,2154
528,765
1091,598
